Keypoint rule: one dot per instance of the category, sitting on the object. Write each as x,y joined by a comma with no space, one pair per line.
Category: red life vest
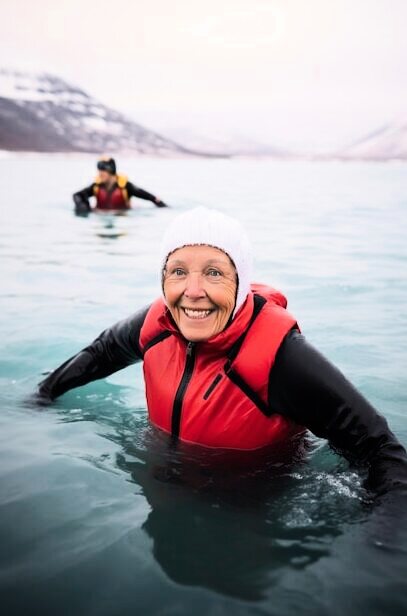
117,199
215,393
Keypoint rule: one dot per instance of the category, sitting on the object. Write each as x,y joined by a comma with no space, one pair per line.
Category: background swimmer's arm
135,191
115,348
306,387
81,198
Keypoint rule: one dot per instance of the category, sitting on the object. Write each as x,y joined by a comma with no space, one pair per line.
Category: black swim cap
107,164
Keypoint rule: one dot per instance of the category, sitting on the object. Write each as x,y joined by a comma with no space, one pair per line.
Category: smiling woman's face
200,285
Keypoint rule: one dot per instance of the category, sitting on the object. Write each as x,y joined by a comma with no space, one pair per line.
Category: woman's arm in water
115,348
81,199
135,191
308,389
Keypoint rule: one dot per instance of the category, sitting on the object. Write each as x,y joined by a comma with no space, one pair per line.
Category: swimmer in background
112,191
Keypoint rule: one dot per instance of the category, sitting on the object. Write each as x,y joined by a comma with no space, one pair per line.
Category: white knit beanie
204,226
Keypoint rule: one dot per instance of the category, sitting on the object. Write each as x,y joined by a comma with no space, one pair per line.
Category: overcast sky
295,72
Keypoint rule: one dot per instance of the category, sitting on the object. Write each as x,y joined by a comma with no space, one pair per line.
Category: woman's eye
178,271
214,273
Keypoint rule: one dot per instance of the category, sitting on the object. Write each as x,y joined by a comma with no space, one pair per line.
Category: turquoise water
97,515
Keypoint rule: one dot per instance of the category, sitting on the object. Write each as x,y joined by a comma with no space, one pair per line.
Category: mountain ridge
388,142
41,112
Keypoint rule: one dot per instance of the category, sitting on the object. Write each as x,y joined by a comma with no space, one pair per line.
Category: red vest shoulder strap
266,336
251,367
152,330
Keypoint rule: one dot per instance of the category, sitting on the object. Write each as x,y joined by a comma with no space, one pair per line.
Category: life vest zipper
182,387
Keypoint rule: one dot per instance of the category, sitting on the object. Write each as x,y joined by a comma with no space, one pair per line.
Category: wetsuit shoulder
305,386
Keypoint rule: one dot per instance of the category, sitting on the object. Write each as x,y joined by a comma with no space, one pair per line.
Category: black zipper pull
190,347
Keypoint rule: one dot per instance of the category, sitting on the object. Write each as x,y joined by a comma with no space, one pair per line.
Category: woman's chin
196,334
197,330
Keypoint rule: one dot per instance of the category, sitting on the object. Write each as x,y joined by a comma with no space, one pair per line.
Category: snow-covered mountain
43,113
40,112
387,143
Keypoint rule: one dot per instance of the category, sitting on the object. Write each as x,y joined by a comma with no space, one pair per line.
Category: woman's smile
197,313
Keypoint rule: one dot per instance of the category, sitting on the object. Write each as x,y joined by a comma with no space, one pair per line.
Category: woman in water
225,364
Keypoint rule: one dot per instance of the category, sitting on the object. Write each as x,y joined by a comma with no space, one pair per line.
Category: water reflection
228,522
210,524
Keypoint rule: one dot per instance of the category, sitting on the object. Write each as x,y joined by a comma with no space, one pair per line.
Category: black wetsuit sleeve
308,389
81,198
114,349
135,191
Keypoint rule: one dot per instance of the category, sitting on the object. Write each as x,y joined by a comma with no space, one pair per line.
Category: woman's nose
194,286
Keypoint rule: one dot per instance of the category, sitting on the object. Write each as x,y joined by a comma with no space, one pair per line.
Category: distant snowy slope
387,143
40,112
224,141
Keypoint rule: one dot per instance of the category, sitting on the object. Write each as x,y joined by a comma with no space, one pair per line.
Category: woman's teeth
197,314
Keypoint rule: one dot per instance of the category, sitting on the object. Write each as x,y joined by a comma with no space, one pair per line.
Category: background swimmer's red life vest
214,393
117,199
